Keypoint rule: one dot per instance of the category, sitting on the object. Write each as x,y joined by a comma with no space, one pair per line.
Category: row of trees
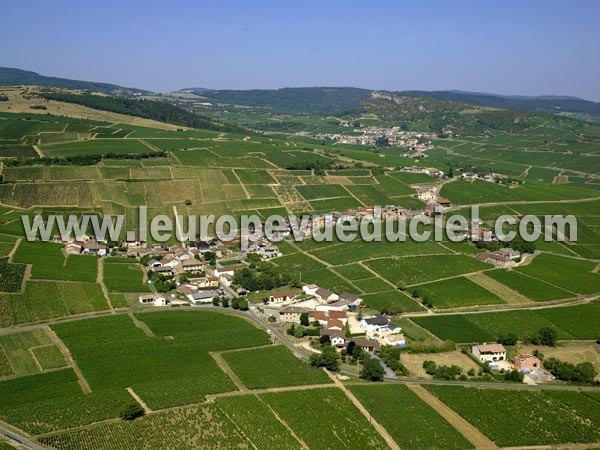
81,160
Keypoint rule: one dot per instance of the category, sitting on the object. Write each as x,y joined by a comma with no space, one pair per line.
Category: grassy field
272,367
414,425
519,418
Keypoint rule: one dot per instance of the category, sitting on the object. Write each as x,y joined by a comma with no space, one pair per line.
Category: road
15,438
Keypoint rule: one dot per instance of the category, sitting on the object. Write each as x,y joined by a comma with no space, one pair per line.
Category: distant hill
544,104
149,109
10,76
319,100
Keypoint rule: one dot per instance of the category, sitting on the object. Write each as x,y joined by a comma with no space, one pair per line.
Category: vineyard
272,367
237,422
124,277
544,417
11,276
413,426
325,419
571,322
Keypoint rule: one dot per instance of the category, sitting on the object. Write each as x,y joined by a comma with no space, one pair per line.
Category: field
413,426
567,273
43,300
272,367
237,422
570,322
410,271
322,415
11,276
50,264
456,292
531,288
30,352
124,277
517,417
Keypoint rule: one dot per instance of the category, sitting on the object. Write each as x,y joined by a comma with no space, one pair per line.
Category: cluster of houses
331,311
494,356
395,136
84,245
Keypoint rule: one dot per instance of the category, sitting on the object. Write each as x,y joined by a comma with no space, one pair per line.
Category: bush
131,411
328,358
372,369
514,376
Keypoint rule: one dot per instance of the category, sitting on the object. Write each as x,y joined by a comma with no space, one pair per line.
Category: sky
504,47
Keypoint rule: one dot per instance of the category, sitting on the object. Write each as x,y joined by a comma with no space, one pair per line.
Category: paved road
15,438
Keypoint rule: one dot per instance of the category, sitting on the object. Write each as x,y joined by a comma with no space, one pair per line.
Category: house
351,300
526,363
187,289
426,193
367,345
192,265
73,248
280,297
226,279
200,297
444,202
336,337
469,176
496,259
323,317
207,282
378,323
223,271
310,289
154,263
489,353
164,270
169,260
325,295
509,253
397,340
154,299
335,324
292,313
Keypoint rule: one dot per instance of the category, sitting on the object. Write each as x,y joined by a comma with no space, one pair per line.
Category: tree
243,304
292,330
514,376
215,301
304,320
300,332
225,302
547,336
272,319
131,411
450,172
372,369
328,358
508,339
